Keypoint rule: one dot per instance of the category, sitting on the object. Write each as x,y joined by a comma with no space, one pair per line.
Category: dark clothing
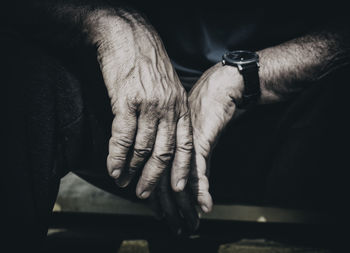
197,35
288,154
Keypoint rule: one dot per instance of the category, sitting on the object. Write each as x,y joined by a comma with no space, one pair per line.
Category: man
161,137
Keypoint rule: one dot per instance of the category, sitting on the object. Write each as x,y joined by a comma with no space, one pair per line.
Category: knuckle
163,158
132,102
186,147
203,184
150,180
126,103
201,193
135,164
202,148
153,102
199,184
115,160
142,152
121,141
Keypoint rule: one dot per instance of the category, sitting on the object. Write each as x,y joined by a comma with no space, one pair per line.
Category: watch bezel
226,60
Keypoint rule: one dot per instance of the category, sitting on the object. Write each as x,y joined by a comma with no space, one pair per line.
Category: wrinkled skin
151,130
152,121
212,107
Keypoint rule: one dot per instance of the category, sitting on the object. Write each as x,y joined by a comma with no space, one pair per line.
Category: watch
247,63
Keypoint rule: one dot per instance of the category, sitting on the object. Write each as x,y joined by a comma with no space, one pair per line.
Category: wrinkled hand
177,209
212,107
151,125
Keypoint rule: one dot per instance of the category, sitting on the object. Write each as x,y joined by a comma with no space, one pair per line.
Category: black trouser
288,154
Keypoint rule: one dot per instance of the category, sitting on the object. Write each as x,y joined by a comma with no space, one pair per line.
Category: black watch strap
251,93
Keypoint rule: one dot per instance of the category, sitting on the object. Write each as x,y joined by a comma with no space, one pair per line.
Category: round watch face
240,57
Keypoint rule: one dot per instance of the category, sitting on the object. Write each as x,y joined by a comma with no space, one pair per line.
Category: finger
123,133
187,209
160,159
183,152
168,205
200,183
155,206
145,138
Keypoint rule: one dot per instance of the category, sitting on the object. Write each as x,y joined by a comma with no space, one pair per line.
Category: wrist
246,66
235,82
119,36
103,26
111,25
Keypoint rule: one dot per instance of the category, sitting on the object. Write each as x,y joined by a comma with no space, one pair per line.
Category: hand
212,107
177,209
152,125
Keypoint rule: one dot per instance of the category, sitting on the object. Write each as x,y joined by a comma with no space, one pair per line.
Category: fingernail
181,184
122,184
205,208
145,194
116,173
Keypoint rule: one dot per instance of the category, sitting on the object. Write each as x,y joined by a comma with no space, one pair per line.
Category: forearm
70,23
119,36
287,68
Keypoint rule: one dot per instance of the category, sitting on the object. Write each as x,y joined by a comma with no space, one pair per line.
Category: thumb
200,183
